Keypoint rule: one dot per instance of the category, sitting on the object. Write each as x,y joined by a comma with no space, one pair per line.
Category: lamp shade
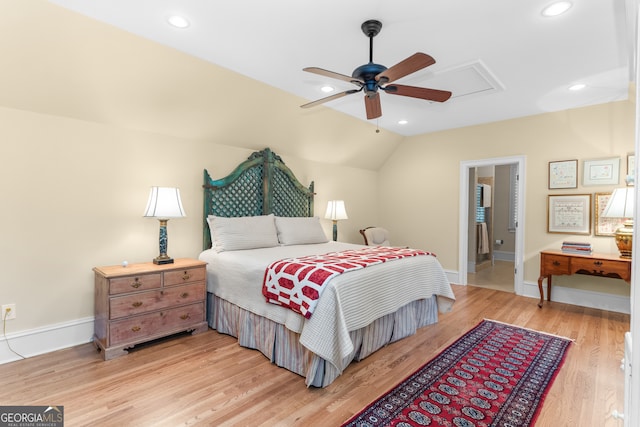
620,204
336,210
164,203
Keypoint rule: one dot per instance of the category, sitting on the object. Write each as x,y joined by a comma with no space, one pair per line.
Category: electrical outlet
8,311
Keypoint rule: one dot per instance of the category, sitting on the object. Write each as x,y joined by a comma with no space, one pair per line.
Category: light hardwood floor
208,379
499,276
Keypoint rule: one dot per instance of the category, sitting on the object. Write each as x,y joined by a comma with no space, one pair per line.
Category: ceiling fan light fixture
178,21
327,89
557,8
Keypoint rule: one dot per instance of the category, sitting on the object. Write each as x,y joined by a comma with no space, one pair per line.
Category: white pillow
300,230
245,232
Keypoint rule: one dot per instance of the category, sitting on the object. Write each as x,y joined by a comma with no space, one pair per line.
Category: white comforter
350,301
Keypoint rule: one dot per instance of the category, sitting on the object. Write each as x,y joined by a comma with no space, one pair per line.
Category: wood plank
208,379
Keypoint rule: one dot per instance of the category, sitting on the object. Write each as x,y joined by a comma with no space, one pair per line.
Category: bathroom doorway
492,223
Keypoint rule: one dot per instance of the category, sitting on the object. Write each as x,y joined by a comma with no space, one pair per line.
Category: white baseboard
504,256
37,341
591,299
452,276
63,335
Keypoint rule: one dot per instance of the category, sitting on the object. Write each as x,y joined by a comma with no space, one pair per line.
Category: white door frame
463,229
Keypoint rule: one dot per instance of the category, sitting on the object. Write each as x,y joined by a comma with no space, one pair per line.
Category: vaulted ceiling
500,59
235,75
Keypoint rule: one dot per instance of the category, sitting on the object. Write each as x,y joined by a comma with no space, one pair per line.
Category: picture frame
563,174
569,214
601,172
604,226
631,166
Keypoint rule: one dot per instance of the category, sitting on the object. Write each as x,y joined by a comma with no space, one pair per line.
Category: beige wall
73,195
74,192
419,184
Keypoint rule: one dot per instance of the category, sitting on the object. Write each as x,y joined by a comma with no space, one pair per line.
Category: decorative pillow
245,232
300,230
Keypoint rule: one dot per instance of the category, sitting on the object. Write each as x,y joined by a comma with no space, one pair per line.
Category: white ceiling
501,58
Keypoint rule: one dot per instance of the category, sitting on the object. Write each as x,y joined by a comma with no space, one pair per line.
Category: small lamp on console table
164,203
335,212
620,205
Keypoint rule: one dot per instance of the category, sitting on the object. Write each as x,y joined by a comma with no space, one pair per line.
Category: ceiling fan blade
329,98
332,74
418,92
372,105
415,62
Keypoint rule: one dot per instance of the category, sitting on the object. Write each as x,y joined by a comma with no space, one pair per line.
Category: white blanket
351,300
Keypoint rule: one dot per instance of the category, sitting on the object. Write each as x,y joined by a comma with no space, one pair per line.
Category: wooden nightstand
143,302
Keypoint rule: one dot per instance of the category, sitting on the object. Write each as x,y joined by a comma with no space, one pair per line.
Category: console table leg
540,279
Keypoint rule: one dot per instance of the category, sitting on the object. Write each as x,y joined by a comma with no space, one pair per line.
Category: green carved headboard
260,185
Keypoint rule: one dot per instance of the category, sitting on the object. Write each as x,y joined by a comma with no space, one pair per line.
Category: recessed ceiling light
403,122
327,89
178,21
577,86
557,8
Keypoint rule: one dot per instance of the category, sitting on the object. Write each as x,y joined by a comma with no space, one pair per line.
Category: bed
358,312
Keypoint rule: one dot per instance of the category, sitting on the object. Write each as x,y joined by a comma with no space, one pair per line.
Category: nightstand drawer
134,283
187,275
142,302
555,264
157,323
601,267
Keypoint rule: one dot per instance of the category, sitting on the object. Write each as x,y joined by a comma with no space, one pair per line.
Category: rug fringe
532,330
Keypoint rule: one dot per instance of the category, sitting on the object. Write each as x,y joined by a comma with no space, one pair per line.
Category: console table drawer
556,264
600,267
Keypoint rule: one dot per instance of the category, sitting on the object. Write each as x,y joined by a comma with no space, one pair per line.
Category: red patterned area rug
494,375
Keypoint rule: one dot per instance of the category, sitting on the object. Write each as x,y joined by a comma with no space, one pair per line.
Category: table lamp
335,211
620,205
164,203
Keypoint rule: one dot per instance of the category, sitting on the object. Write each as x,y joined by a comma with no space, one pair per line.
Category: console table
560,263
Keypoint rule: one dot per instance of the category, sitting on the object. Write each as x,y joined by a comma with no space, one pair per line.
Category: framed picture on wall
563,174
604,226
569,214
601,172
631,166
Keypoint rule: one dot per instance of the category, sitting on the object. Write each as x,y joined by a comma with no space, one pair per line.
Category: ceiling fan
371,77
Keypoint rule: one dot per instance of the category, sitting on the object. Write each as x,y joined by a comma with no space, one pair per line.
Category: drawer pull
136,283
598,263
185,316
186,276
135,328
137,304
556,263
184,294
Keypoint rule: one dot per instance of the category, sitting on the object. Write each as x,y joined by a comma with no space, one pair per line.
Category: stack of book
576,248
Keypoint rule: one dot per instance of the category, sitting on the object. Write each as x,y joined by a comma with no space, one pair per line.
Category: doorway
491,226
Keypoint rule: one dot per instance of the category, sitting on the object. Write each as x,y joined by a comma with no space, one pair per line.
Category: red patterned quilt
297,283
